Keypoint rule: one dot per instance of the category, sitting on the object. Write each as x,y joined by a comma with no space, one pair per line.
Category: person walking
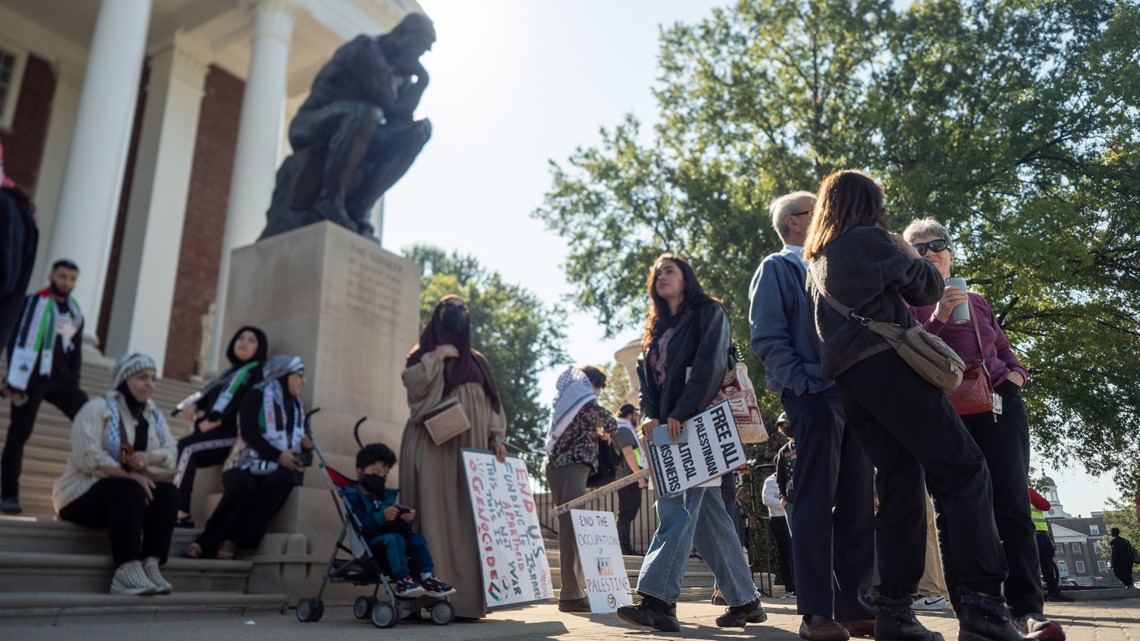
45,357
683,362
834,542
1122,558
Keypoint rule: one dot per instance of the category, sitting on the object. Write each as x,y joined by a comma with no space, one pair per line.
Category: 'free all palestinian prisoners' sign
607,584
709,447
515,568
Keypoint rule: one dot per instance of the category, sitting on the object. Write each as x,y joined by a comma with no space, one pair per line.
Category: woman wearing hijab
571,456
683,362
213,409
443,365
118,476
264,465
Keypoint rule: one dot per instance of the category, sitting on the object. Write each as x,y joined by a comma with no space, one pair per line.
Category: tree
519,334
617,388
1013,122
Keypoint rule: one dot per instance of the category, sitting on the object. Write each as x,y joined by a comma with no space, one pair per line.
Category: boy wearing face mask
387,526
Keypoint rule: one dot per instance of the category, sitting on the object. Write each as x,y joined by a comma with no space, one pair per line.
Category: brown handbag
974,395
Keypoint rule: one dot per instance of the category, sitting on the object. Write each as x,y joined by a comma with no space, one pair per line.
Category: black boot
895,621
651,613
984,618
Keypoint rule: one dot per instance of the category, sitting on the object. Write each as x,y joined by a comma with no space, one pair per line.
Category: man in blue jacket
833,477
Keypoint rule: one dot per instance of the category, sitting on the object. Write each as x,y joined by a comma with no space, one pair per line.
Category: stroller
362,567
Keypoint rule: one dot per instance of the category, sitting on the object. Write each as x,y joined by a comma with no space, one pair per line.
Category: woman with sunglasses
1002,435
906,425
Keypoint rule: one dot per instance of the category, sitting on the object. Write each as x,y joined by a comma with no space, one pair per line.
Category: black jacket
18,238
696,362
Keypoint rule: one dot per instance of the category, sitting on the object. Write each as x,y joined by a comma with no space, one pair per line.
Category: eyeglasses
799,213
934,246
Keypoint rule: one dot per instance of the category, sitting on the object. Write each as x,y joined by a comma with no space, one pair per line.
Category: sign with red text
507,533
709,447
599,552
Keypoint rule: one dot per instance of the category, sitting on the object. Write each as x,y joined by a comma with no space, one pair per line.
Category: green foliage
1013,122
617,388
1121,515
519,334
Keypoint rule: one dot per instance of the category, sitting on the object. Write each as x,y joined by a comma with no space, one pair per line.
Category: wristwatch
496,439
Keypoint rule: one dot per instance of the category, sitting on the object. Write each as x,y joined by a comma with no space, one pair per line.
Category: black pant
67,398
1045,552
248,504
629,504
1124,573
1005,445
138,530
908,425
199,449
833,538
778,525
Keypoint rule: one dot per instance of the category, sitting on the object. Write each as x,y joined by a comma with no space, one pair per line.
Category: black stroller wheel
304,610
442,613
383,615
318,610
361,608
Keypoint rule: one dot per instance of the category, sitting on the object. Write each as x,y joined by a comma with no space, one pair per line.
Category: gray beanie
128,365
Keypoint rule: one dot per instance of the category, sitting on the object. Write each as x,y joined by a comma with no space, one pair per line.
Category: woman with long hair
684,358
905,424
440,366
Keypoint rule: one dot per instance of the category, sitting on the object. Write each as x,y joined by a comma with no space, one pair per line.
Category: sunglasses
934,246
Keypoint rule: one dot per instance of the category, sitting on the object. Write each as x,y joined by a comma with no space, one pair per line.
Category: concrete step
48,606
60,537
89,573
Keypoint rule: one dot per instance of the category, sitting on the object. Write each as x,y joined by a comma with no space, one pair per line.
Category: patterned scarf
35,336
574,391
114,440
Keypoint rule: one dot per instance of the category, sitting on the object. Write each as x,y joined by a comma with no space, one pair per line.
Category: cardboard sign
709,447
515,568
599,552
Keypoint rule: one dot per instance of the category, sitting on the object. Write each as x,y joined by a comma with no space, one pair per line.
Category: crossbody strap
978,337
847,312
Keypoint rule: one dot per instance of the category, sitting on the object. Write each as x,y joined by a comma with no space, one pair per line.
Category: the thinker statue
354,136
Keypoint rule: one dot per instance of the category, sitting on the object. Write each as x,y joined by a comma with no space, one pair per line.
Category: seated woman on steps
265,464
118,477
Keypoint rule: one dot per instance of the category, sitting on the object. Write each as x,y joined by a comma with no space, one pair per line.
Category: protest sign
709,447
607,584
515,568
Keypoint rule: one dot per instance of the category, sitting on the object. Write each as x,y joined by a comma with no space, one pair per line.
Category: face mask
373,484
454,320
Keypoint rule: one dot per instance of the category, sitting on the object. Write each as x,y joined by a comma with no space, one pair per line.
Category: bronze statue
354,136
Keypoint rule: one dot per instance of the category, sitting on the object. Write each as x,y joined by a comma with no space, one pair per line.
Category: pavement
1116,620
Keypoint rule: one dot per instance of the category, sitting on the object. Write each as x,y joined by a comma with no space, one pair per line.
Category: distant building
1078,541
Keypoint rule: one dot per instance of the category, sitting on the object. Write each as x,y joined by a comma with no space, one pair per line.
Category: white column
259,137
148,263
61,124
89,199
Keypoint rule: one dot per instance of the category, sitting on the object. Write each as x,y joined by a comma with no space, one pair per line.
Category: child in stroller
387,526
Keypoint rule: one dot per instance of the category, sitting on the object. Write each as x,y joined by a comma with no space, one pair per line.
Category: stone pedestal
351,310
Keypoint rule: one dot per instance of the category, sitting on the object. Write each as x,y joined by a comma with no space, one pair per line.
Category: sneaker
894,619
407,588
789,594
162,586
1036,626
984,617
130,578
651,613
433,587
11,505
930,603
736,616
717,599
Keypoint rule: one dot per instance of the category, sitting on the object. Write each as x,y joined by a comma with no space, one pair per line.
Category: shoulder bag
924,352
737,389
974,395
446,420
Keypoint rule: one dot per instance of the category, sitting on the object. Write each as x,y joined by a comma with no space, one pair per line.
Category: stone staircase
50,568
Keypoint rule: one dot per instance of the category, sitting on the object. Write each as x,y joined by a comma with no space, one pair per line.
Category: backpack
607,466
1135,554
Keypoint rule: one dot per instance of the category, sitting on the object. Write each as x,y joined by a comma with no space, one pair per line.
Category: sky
515,84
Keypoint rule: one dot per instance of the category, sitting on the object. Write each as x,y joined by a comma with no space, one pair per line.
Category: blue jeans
695,517
395,547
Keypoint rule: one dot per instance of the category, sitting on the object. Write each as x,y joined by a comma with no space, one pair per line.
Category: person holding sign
906,424
443,368
684,360
571,456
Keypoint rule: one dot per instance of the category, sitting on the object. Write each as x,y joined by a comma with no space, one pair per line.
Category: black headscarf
262,346
469,367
